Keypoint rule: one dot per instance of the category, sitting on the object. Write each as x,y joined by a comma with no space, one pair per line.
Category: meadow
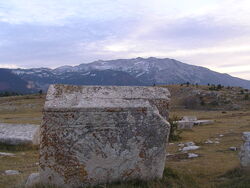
216,166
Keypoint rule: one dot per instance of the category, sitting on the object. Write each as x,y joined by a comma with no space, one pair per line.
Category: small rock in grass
12,172
188,148
32,179
233,148
6,154
170,143
209,141
181,145
192,155
216,142
221,135
189,144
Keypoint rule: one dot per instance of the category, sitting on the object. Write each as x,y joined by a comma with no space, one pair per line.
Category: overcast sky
52,33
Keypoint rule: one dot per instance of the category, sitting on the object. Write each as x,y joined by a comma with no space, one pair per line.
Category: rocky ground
209,97
214,163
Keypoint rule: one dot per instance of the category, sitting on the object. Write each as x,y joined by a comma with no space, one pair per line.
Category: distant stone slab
101,134
185,124
16,134
6,154
189,118
203,122
11,172
245,150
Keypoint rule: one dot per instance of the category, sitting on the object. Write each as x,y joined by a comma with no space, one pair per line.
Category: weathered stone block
94,134
245,150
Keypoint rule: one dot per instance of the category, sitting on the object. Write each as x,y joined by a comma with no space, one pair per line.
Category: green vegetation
216,88
175,133
236,178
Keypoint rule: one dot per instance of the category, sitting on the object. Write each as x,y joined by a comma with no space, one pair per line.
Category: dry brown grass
216,159
21,109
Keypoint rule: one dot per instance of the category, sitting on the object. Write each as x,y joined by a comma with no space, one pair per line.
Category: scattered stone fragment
181,145
188,148
6,154
11,172
209,141
189,118
233,148
16,134
221,135
216,142
203,122
171,144
192,155
189,144
33,179
99,134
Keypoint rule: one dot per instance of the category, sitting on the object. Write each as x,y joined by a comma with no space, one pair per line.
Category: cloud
51,33
9,66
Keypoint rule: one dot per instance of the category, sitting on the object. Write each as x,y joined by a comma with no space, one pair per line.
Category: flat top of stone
88,103
67,96
120,92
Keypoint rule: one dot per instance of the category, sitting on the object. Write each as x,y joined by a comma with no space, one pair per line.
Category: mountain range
136,71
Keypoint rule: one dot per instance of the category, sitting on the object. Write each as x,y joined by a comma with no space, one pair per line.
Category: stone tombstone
245,150
19,134
101,134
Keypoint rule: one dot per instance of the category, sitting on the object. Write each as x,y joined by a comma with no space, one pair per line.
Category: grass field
217,166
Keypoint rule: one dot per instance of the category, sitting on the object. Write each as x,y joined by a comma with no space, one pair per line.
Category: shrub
202,102
246,97
175,133
212,87
219,86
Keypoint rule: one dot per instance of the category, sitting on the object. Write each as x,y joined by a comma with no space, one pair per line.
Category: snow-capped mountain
137,71
13,83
